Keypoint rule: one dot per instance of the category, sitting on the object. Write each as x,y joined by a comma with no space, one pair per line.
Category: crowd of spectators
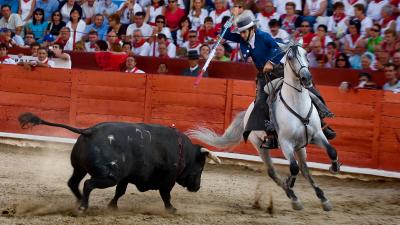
358,34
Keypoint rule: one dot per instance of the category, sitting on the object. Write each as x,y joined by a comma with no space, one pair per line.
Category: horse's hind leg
302,156
294,171
321,141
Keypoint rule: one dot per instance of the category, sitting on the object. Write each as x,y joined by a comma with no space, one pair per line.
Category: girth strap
305,120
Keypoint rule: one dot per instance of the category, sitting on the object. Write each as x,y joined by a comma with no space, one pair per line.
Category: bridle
297,73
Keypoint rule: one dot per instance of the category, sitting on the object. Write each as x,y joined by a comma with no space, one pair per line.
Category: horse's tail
28,120
231,137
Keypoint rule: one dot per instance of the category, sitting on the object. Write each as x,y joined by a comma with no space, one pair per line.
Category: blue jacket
265,48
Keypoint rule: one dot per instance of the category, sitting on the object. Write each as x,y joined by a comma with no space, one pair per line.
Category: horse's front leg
288,151
322,142
302,157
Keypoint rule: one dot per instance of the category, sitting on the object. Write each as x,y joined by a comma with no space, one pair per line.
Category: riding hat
193,55
245,23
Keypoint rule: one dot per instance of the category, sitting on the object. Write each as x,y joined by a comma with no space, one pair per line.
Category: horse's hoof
327,206
171,210
78,212
296,205
335,168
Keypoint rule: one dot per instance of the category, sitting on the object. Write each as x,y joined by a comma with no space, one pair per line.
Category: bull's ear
211,155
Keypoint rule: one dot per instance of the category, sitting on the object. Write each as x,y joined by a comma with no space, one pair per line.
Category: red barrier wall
367,122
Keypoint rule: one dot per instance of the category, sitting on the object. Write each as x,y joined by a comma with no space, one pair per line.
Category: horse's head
296,58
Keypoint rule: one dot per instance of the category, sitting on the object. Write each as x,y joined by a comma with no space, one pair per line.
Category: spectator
368,61
182,34
93,37
65,39
114,44
162,68
60,58
281,5
163,50
160,28
305,34
197,13
127,10
278,33
37,26
194,68
106,8
25,10
101,46
365,82
7,39
173,16
48,6
162,39
76,25
337,23
42,60
220,11
342,61
389,43
322,36
89,10
353,39
290,20
55,24
396,60
208,33
382,58
266,14
316,57
140,46
314,9
193,42
393,83
204,51
331,53
14,5
10,20
127,48
66,7
34,49
349,5
146,29
242,11
29,39
4,58
157,8
374,38
116,26
131,66
388,20
99,26
220,54
366,22
374,9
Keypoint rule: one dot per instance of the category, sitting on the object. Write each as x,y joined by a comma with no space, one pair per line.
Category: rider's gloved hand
268,67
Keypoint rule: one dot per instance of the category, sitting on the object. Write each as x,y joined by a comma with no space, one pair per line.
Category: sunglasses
238,6
389,70
171,1
305,25
192,36
39,14
160,21
376,30
340,59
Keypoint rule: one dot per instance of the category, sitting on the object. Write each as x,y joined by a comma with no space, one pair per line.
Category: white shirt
143,50
339,28
65,12
134,70
374,9
154,12
25,8
280,5
365,24
88,48
283,35
193,68
62,63
146,30
218,18
171,48
89,11
197,21
314,6
9,61
79,32
188,48
263,21
127,14
12,23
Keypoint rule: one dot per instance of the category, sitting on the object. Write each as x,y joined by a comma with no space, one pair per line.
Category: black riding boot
323,112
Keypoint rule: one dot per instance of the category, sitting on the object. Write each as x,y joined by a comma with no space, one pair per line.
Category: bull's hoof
171,210
327,206
296,205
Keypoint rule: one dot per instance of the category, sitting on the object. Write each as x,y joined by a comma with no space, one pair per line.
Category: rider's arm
231,36
273,46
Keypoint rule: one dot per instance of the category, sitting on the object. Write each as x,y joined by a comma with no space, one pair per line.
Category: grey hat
245,23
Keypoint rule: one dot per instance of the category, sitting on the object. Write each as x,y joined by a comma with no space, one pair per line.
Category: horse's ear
284,47
300,42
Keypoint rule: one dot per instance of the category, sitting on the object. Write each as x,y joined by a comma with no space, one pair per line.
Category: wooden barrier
367,121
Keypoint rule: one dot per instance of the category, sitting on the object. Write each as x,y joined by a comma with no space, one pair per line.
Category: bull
153,157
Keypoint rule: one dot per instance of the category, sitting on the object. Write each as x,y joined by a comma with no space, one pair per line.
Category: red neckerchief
219,11
268,15
352,2
132,70
93,45
386,21
44,61
377,1
194,45
26,1
139,44
2,59
186,35
323,42
354,38
339,17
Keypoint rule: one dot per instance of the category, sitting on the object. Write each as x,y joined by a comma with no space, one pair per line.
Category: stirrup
269,142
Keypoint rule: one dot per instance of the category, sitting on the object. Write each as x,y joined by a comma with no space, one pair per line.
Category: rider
266,55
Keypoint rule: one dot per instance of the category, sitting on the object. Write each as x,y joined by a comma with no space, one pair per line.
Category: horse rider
266,55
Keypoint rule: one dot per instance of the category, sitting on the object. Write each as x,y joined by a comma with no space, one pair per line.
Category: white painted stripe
253,158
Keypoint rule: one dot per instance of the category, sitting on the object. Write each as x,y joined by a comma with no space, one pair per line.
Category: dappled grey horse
297,125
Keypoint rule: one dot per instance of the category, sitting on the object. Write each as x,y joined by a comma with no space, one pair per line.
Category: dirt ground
33,187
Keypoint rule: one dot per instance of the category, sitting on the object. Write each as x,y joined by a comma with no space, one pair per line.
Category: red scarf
139,44
352,2
219,11
44,61
26,1
377,1
386,21
268,15
354,38
93,45
2,59
194,45
338,17
133,70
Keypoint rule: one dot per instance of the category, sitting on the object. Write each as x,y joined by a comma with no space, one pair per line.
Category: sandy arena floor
33,187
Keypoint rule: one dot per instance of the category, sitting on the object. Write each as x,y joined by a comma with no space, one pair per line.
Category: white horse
297,124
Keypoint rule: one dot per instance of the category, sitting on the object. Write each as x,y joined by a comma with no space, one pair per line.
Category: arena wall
367,121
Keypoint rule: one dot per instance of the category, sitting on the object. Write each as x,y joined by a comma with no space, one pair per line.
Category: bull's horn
211,155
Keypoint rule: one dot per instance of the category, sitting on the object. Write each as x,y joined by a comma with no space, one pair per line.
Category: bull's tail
28,120
232,136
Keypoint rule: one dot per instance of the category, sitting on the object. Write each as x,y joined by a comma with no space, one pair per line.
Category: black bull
153,157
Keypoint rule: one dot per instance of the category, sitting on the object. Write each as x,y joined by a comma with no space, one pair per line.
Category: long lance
227,26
